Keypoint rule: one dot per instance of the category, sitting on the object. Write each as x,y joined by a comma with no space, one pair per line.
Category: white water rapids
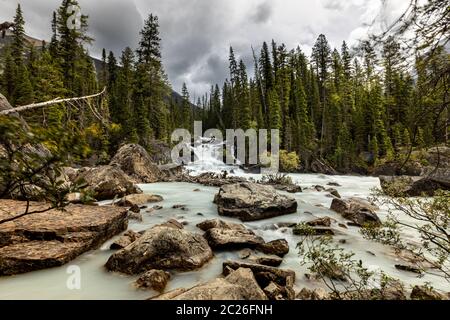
97,283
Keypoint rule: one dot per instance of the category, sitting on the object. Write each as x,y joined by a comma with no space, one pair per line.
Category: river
97,283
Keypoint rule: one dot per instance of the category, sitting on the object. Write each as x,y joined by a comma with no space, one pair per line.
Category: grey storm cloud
196,34
263,12
333,4
114,24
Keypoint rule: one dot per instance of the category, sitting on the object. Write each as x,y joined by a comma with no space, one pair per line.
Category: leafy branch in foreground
429,218
32,160
344,276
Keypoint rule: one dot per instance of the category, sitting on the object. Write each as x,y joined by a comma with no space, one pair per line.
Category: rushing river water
97,283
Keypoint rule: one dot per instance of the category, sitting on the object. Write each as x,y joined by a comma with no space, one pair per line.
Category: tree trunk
5,107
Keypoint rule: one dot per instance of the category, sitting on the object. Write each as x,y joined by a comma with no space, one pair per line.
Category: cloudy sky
197,33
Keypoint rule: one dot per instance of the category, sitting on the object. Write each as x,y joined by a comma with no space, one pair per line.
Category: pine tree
373,148
103,74
53,47
48,85
244,111
321,59
235,83
151,81
8,76
73,57
267,80
346,60
18,44
124,94
22,89
187,109
274,112
115,108
391,63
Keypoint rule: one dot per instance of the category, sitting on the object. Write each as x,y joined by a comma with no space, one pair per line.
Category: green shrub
289,162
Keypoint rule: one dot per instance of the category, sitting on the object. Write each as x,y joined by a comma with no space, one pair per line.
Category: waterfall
208,155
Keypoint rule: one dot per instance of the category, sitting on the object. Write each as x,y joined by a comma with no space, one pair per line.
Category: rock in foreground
426,293
53,238
162,247
265,275
153,279
250,202
239,285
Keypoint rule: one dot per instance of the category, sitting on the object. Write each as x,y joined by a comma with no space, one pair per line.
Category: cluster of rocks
416,186
240,281
131,165
211,179
238,285
136,202
169,247
332,192
391,290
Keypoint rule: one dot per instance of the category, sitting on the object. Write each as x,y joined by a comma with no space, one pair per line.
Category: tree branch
49,103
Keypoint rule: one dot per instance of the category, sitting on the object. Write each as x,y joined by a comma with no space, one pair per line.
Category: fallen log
7,109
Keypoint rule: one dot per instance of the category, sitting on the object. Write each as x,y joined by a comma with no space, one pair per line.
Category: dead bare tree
5,26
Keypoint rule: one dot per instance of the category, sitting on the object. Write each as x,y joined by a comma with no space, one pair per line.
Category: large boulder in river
138,200
232,239
136,162
278,247
162,247
239,285
220,224
227,235
52,238
359,211
251,201
107,182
